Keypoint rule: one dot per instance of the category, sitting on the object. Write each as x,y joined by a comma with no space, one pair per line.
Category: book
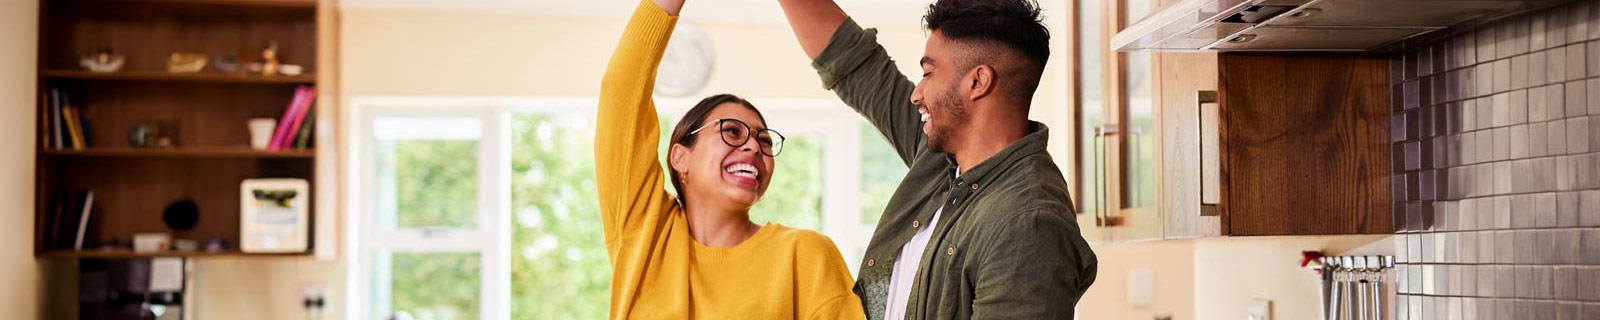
55,118
68,216
303,138
83,220
285,121
303,107
52,233
74,131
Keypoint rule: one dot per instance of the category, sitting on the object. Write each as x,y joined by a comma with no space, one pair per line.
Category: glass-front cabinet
1118,138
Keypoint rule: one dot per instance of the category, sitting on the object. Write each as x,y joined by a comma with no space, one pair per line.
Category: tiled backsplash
1497,160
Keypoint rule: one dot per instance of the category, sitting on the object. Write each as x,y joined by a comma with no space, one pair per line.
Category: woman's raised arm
633,199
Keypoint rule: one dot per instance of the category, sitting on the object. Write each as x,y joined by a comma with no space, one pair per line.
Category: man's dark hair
1012,24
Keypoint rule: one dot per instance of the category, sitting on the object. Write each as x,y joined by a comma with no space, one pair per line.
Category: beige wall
1171,263
1217,278
1230,272
19,272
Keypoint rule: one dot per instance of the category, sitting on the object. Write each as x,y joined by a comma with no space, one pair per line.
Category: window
485,208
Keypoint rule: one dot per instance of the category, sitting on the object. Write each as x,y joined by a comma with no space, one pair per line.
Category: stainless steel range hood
1306,25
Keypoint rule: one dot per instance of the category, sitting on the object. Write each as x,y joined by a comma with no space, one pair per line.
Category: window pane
794,197
427,172
881,173
559,267
1140,144
1089,103
442,286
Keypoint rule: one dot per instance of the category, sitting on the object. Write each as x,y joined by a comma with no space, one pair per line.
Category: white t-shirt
905,269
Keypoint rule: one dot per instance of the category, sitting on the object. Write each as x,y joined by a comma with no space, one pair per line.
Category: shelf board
177,77
183,152
130,254
247,3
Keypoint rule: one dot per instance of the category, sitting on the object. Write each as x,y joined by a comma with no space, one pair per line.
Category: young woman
699,255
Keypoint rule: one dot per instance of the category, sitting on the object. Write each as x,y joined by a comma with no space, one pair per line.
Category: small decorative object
215,244
102,61
269,59
687,64
151,242
181,215
139,136
290,69
227,64
261,132
185,244
180,62
274,215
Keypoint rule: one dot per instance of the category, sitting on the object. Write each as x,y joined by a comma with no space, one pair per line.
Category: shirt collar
1033,142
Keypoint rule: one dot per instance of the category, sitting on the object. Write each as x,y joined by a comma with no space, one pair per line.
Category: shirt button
915,224
974,187
870,262
950,251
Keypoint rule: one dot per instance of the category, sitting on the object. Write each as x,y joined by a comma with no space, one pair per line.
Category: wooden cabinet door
1305,144
1181,77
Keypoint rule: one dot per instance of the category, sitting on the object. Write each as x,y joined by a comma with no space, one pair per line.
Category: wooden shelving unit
203,114
184,152
178,77
130,254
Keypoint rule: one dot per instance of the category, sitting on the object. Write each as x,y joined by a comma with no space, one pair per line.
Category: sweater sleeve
633,200
824,282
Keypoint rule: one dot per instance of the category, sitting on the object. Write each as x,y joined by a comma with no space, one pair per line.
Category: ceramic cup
261,132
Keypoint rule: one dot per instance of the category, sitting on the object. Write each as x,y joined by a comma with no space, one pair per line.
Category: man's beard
954,115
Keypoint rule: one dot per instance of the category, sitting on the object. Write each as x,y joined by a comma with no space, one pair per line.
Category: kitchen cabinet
1201,144
1304,144
1117,150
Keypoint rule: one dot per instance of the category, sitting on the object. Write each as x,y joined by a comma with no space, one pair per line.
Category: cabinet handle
1103,218
1209,116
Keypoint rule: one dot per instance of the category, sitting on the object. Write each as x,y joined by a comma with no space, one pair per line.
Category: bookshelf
202,114
179,77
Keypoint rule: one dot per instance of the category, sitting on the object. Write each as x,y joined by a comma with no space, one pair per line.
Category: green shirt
1007,245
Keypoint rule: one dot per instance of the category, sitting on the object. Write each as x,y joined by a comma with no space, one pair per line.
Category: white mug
261,132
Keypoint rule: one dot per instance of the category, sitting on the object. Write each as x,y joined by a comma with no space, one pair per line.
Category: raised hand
670,6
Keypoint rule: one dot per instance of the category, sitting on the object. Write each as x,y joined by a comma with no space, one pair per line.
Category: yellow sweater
658,270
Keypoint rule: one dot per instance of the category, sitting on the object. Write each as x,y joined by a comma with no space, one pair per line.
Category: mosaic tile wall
1497,160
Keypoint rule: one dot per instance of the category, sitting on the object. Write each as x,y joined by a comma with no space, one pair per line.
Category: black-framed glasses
736,133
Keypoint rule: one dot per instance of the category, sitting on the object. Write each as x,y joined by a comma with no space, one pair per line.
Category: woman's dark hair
695,118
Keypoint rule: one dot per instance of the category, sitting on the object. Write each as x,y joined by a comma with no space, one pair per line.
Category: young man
982,227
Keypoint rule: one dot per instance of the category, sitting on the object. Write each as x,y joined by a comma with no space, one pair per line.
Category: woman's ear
678,156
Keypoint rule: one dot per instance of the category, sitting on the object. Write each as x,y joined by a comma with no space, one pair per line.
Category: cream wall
19,272
1171,263
1217,278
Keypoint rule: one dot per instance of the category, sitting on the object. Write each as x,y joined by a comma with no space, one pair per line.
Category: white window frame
491,237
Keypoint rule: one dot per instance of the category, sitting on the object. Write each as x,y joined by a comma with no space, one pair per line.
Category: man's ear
678,156
980,82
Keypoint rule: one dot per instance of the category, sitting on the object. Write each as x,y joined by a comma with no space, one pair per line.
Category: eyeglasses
735,133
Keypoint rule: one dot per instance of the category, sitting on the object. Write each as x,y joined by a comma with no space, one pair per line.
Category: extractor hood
1306,25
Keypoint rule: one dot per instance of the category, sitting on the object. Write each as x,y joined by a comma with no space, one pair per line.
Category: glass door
1119,149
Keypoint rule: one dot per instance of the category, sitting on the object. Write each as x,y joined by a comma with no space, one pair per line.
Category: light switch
1141,287
1260,309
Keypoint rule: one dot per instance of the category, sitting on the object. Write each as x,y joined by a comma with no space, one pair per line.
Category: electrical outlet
314,298
1260,309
